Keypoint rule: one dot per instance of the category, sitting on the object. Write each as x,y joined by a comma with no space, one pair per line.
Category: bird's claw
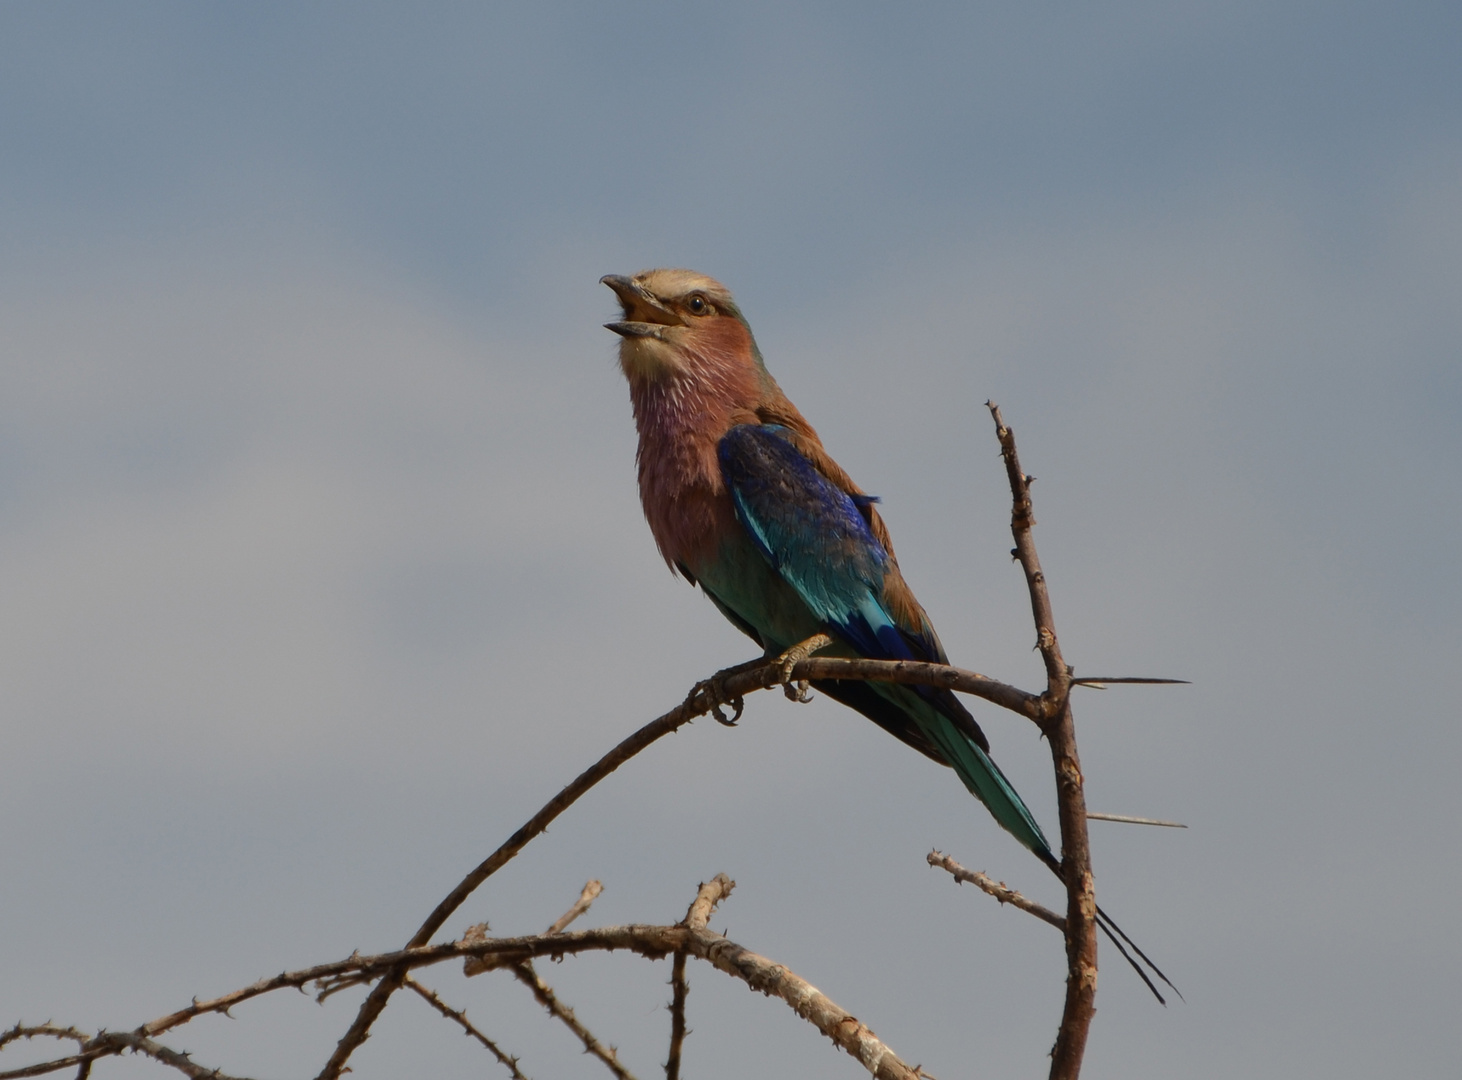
789,660
714,689
738,704
797,691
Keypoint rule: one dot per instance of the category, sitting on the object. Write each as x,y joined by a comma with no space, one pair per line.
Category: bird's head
675,321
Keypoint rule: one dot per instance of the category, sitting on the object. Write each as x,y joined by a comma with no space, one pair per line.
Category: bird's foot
714,689
798,691
717,690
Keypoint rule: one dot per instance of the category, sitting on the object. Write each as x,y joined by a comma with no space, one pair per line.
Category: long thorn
1128,819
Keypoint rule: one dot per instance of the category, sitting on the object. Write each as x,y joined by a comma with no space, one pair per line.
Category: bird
743,500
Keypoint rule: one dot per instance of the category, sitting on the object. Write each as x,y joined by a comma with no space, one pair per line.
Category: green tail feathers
975,768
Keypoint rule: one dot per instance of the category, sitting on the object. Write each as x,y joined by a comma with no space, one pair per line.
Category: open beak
644,314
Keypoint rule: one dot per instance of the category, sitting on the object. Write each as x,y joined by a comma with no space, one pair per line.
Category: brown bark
1060,730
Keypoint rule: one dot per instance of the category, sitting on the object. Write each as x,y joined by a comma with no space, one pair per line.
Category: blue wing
814,535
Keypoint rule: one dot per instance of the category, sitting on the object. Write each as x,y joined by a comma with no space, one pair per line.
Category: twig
711,893
50,1031
54,1065
679,988
1060,731
47,1030
590,893
111,1044
549,1000
525,973
460,1016
328,988
998,889
587,896
1128,819
697,916
129,1040
806,1001
222,1004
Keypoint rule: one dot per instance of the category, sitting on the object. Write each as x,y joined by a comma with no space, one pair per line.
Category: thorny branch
587,896
711,893
468,1028
679,988
46,1030
654,942
129,1040
998,889
549,1000
697,916
107,1044
544,994
1060,730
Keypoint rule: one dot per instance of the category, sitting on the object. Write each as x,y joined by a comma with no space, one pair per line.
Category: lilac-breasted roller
743,500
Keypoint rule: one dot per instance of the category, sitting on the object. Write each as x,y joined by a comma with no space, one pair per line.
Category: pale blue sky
315,467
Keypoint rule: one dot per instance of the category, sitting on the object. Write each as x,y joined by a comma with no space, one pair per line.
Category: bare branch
922,674
805,999
142,1045
460,1016
1060,731
472,967
710,894
729,685
525,973
998,889
54,1065
679,989
549,1000
591,891
47,1030
225,1002
111,1044
697,916
653,942
1022,519
756,971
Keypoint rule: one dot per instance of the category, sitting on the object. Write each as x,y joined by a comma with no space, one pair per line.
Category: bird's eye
698,305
